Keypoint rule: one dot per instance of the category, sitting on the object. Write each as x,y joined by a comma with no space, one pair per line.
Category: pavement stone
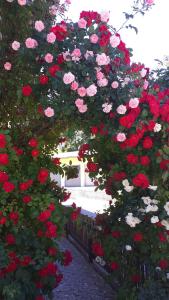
81,282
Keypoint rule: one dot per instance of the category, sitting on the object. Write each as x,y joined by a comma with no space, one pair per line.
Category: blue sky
152,40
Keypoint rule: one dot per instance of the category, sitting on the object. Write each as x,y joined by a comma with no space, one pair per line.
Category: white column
82,174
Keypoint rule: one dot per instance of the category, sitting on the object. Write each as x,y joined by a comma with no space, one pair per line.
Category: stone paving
81,282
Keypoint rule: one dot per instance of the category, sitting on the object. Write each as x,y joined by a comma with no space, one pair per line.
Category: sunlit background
151,42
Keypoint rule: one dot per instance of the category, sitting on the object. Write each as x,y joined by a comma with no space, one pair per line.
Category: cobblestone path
81,282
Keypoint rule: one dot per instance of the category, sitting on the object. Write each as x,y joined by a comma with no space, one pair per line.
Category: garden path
81,282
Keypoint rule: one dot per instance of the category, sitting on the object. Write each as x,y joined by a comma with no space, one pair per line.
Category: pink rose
51,37
48,58
53,10
31,43
107,107
82,109
49,112
22,2
76,52
114,85
143,73
134,102
121,137
74,86
79,102
39,26
68,1
16,45
81,91
149,2
94,38
99,75
7,66
105,16
91,90
114,41
146,84
102,82
121,109
68,78
82,23
102,59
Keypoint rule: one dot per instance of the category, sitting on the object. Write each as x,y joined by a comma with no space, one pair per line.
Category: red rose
136,278
11,267
141,180
59,31
116,234
60,59
164,164
39,297
25,261
14,216
118,176
138,237
132,159
25,185
18,151
3,177
147,143
43,79
44,216
35,152
4,160
10,239
26,90
8,186
163,264
51,231
56,161
114,266
132,141
52,251
33,143
43,175
97,249
144,160
92,167
162,237
53,70
2,140
94,130
26,199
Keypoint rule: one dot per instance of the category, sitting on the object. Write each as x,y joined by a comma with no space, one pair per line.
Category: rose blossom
134,102
143,72
49,112
82,23
107,107
22,2
121,137
121,109
82,109
53,10
102,59
76,52
51,37
154,219
79,102
31,43
94,38
114,41
7,66
39,25
105,16
157,127
68,78
146,84
91,90
16,45
81,91
48,58
99,75
74,85
102,82
114,85
149,2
